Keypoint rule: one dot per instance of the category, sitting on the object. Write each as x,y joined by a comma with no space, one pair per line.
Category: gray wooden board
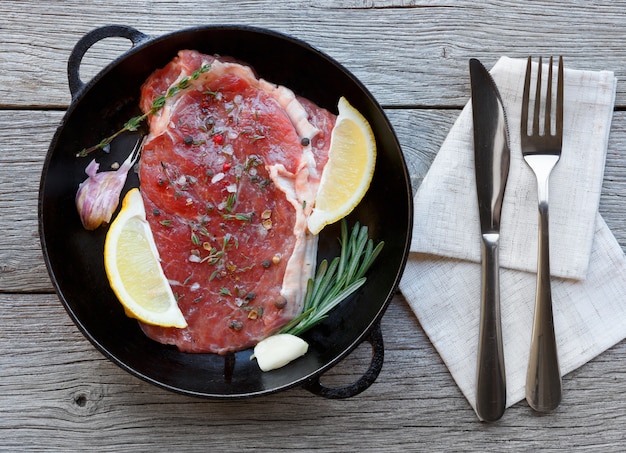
58,393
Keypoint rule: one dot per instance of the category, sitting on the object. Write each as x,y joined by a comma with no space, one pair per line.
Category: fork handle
543,380
491,378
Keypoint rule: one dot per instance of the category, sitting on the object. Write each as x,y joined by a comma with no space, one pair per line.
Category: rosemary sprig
338,279
157,104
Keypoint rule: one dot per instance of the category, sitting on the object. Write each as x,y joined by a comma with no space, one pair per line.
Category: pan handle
86,42
375,339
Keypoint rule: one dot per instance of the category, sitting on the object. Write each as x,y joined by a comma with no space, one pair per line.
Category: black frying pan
74,256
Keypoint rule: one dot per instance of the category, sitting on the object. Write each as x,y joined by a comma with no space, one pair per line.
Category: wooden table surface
58,393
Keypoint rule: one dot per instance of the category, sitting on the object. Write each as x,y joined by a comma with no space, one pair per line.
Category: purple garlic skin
99,195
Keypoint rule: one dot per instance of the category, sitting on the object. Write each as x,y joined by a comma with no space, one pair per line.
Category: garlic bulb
98,196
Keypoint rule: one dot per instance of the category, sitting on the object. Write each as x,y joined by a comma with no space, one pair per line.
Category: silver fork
541,150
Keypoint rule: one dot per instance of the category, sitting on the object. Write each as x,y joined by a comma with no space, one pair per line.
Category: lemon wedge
132,265
349,170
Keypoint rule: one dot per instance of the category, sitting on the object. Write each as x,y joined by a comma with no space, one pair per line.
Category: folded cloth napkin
442,278
446,203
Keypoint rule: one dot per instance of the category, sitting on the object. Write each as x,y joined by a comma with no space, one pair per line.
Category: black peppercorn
235,325
280,302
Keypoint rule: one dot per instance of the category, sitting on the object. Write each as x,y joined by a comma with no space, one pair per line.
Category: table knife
491,156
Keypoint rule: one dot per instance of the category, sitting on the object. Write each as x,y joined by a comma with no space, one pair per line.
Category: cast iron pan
74,256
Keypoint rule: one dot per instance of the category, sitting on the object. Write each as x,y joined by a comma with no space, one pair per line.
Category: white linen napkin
442,278
446,203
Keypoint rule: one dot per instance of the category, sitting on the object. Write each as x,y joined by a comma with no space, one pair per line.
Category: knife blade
491,158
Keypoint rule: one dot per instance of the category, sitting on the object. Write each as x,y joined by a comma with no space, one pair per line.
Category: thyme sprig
157,104
334,282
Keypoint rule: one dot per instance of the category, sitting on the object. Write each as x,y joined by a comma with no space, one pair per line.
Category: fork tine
537,100
547,127
559,101
525,98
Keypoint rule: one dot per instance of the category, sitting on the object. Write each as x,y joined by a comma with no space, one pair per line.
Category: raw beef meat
228,175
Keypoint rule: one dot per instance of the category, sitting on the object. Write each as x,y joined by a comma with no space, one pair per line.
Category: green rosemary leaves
336,281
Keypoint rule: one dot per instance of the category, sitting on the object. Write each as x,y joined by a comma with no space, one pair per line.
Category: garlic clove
278,350
98,196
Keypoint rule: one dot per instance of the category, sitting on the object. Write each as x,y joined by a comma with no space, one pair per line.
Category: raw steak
228,175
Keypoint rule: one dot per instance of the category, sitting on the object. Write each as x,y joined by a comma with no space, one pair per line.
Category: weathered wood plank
25,137
408,53
58,393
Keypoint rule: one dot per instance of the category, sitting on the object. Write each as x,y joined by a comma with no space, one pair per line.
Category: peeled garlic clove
278,350
99,195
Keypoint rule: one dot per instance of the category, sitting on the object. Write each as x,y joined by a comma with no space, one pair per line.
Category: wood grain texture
25,137
410,53
58,393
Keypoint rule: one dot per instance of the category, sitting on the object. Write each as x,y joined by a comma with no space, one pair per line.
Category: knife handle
491,379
